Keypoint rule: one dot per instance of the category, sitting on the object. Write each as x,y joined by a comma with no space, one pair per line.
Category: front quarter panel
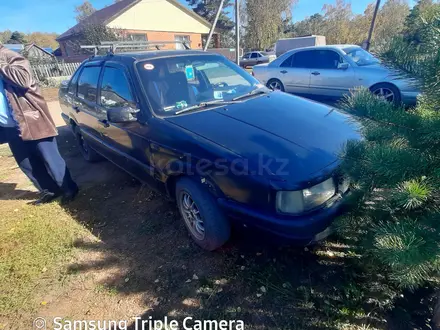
176,151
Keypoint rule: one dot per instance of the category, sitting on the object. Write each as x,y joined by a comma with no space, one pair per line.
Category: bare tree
84,10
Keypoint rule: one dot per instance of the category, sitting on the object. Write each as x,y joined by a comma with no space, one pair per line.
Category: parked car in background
254,58
201,130
284,45
332,71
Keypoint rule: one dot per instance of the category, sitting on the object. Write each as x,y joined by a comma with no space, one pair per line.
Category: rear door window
254,55
288,62
305,59
73,85
88,83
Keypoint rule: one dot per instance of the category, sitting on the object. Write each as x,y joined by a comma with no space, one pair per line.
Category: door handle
76,108
104,122
316,73
283,72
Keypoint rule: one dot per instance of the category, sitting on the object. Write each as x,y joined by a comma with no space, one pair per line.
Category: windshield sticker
218,95
181,105
148,66
189,72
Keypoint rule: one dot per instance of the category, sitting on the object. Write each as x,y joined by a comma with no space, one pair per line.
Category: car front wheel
275,85
203,218
387,92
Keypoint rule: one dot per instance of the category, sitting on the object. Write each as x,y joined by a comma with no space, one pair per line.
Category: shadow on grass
8,191
252,278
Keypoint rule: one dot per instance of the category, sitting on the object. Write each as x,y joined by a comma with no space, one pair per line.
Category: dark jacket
29,108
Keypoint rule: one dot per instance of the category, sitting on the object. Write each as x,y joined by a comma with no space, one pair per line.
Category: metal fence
50,70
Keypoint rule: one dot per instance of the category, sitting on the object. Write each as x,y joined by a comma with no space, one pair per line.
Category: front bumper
314,226
410,98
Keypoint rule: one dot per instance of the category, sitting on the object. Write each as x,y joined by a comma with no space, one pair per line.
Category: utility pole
373,22
237,32
211,31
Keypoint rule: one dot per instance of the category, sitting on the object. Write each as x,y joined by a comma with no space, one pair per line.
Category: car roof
341,46
150,54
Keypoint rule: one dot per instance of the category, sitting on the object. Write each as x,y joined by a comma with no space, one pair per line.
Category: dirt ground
50,94
142,263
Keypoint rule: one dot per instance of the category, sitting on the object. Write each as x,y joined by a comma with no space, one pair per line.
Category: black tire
397,97
216,226
270,84
87,152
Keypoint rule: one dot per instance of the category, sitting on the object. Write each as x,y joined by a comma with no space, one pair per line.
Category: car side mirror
343,66
65,83
124,114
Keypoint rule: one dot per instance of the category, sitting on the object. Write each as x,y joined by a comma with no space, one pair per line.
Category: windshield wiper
204,105
257,91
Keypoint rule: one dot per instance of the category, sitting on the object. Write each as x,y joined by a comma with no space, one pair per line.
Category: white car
332,71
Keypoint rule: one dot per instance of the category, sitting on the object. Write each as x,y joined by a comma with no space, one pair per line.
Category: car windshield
360,56
174,84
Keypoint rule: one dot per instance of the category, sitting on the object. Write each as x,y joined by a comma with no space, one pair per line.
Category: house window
137,37
182,38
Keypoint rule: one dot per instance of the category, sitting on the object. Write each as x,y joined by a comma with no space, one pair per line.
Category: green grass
33,242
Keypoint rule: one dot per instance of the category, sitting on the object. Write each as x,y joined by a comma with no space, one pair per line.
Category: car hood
282,136
382,71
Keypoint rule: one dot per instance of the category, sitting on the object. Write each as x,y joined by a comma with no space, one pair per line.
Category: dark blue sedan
198,128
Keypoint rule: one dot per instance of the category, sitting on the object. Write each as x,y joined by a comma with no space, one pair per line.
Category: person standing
27,126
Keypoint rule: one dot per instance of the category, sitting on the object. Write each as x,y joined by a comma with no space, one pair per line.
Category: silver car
253,58
332,71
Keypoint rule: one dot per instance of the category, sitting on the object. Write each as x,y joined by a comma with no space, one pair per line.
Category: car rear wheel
275,85
387,92
203,218
87,152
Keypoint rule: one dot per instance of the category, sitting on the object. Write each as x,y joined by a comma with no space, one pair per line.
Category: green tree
314,24
17,38
266,22
84,10
208,9
413,26
395,170
340,25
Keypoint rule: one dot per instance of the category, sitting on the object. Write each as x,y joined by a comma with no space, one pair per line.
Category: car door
69,100
85,106
254,59
127,143
245,59
294,73
331,75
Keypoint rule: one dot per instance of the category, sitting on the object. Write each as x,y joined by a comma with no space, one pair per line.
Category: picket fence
50,70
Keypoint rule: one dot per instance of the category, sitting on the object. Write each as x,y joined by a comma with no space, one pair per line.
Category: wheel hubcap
275,85
385,93
192,216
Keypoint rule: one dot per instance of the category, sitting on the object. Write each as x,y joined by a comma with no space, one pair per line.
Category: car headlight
294,202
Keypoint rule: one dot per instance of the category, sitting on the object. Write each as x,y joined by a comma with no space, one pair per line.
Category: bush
395,170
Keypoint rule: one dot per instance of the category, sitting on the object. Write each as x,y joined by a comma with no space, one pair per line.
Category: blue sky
58,16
